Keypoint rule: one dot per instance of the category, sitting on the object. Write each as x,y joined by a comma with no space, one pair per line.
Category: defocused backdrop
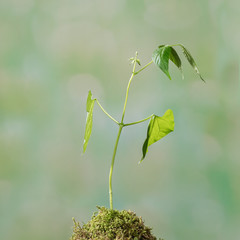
52,52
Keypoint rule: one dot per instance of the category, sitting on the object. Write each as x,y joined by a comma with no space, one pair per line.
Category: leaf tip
84,146
202,79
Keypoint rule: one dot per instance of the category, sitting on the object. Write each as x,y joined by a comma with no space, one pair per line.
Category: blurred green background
53,52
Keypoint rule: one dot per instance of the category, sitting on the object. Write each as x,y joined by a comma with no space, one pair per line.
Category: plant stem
106,112
129,82
111,169
143,120
121,124
144,67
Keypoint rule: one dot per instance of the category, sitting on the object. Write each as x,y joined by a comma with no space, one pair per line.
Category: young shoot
159,126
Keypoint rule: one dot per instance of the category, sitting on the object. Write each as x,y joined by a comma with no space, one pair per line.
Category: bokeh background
53,52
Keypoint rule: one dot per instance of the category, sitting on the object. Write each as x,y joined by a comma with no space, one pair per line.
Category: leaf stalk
143,67
106,112
140,121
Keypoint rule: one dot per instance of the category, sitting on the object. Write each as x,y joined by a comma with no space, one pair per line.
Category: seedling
158,126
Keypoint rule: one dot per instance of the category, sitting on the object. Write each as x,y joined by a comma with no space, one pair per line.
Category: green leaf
88,129
161,58
176,59
190,59
158,128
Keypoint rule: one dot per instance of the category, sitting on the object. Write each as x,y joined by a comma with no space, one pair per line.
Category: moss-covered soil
109,224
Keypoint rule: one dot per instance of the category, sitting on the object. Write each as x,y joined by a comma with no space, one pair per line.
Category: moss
112,224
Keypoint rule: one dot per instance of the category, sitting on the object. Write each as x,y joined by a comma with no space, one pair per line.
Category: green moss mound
112,224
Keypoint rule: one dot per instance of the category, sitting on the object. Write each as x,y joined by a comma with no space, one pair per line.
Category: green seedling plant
159,126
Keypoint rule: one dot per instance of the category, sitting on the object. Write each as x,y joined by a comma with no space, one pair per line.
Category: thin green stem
112,165
121,125
106,112
129,82
143,120
144,67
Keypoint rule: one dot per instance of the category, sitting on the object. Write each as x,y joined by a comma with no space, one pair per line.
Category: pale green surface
158,128
53,52
89,120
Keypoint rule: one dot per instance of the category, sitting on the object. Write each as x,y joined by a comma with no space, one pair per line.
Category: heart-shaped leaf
88,129
158,128
190,60
161,58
